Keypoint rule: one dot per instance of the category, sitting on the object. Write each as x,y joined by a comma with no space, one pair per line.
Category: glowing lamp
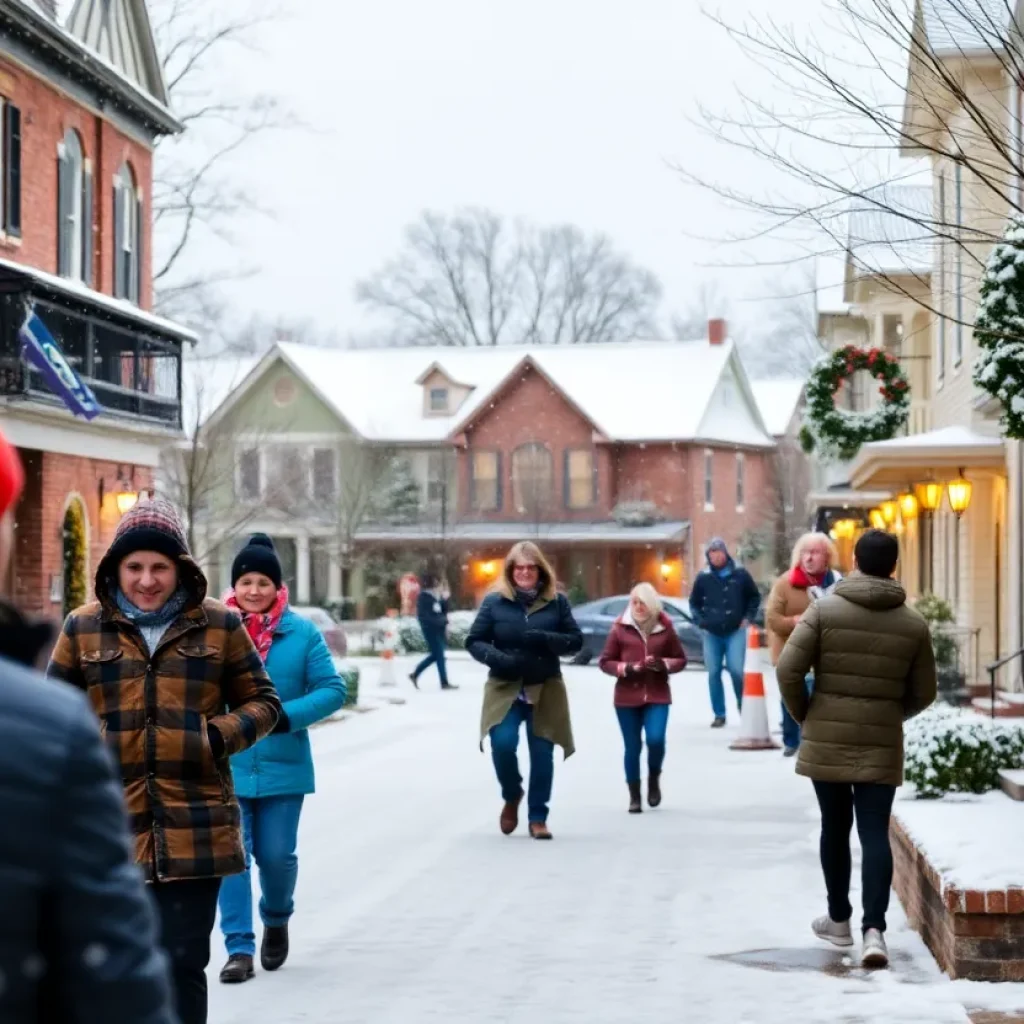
959,492
929,495
877,519
487,568
890,510
666,570
908,506
126,500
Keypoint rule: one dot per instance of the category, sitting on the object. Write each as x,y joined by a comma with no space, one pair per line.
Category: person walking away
810,576
273,777
432,615
520,632
68,886
642,651
874,669
725,600
178,687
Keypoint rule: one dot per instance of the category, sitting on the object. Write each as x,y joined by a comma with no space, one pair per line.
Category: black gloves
283,724
506,666
545,641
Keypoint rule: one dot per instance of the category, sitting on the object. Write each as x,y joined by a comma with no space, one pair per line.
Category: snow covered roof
376,392
890,231
777,401
955,27
943,438
206,381
830,274
77,290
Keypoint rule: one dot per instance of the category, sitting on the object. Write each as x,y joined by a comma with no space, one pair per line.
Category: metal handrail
993,668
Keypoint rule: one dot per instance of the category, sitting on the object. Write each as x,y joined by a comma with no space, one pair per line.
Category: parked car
337,642
595,619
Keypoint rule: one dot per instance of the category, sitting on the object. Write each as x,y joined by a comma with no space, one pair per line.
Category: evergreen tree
399,499
999,327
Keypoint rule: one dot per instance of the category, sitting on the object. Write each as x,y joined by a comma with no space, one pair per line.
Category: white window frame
443,407
940,336
496,454
741,481
958,342
709,480
74,224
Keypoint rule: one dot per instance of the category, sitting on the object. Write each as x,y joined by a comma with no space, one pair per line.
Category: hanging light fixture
877,519
908,506
929,495
959,492
890,510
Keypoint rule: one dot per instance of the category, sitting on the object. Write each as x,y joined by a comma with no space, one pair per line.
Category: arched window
532,478
74,210
127,235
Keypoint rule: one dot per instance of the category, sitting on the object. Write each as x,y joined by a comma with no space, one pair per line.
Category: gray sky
553,110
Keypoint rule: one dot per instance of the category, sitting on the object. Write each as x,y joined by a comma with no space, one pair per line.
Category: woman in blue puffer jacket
273,777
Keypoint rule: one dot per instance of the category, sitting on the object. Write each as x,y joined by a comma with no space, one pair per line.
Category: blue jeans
649,719
435,645
731,649
790,729
505,742
271,829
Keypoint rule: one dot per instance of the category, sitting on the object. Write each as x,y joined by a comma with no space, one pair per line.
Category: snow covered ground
412,907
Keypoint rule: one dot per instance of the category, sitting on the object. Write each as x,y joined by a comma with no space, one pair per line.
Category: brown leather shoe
539,830
509,819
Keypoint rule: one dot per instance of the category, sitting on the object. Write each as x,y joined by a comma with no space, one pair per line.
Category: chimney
717,329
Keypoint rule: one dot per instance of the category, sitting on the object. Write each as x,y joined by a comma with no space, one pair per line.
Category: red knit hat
12,475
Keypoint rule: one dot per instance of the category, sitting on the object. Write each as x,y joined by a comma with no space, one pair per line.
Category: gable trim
733,363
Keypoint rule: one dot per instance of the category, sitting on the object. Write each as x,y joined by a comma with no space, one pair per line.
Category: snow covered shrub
350,673
953,751
412,641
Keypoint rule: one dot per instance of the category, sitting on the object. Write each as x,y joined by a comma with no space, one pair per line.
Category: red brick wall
46,116
50,480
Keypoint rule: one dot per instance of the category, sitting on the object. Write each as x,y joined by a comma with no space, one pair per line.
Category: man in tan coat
873,669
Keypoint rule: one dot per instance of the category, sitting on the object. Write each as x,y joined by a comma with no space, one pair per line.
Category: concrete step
1011,781
1004,708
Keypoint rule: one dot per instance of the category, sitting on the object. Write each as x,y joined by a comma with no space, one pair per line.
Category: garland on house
834,432
74,558
999,328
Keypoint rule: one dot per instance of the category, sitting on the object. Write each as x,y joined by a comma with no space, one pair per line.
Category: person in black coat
78,936
432,615
724,600
521,631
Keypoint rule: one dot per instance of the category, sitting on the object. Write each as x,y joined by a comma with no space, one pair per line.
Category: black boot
636,804
654,790
274,950
238,969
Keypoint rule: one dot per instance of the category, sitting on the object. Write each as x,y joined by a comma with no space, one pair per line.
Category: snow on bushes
953,751
412,641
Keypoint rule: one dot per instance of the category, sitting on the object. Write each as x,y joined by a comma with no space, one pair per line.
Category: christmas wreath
840,432
999,328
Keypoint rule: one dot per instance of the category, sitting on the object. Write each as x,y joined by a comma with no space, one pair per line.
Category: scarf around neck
527,597
162,616
261,626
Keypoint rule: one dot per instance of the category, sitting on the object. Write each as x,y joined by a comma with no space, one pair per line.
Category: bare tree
193,189
470,279
847,93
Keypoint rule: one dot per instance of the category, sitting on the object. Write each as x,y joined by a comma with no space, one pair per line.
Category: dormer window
438,399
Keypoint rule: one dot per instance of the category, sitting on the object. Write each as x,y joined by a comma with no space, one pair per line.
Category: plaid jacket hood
157,713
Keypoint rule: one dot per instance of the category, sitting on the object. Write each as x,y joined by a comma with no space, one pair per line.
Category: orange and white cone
754,732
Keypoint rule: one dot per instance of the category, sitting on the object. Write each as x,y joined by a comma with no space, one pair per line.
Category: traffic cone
754,733
387,652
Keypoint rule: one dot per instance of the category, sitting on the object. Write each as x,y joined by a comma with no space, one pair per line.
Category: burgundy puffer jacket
627,647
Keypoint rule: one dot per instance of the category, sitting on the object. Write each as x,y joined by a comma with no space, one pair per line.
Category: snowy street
411,905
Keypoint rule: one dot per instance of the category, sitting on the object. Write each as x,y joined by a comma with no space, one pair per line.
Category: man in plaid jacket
178,687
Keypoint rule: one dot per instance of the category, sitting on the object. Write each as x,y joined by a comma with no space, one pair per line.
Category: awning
673,532
897,462
846,497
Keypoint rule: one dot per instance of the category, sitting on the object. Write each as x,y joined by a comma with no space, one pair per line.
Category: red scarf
261,627
798,578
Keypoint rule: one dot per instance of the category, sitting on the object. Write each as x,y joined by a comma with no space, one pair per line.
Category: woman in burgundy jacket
642,651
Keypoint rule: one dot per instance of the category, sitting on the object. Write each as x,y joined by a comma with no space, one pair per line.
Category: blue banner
40,350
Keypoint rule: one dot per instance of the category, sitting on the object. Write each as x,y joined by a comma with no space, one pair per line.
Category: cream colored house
974,559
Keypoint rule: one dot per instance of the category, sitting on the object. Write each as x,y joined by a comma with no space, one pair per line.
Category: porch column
1014,563
334,574
302,568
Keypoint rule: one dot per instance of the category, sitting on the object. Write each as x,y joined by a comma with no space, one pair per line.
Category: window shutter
136,271
63,208
120,289
499,489
87,222
12,166
566,479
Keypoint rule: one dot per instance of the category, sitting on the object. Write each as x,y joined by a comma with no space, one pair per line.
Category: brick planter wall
972,934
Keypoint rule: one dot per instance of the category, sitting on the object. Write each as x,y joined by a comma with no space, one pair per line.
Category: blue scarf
152,625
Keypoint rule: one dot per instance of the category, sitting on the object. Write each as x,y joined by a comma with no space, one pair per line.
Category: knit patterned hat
152,525
258,555
12,475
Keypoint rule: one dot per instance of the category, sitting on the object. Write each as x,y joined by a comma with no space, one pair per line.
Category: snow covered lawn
412,907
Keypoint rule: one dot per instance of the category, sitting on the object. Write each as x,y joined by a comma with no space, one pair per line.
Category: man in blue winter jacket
724,600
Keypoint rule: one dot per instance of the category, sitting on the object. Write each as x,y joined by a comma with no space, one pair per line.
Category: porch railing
993,669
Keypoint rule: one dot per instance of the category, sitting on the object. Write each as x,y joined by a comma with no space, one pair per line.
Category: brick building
622,461
81,105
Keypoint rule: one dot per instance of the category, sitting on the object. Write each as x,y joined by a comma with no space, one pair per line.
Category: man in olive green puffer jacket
873,669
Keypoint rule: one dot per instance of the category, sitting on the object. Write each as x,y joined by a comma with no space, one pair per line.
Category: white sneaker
836,932
875,953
